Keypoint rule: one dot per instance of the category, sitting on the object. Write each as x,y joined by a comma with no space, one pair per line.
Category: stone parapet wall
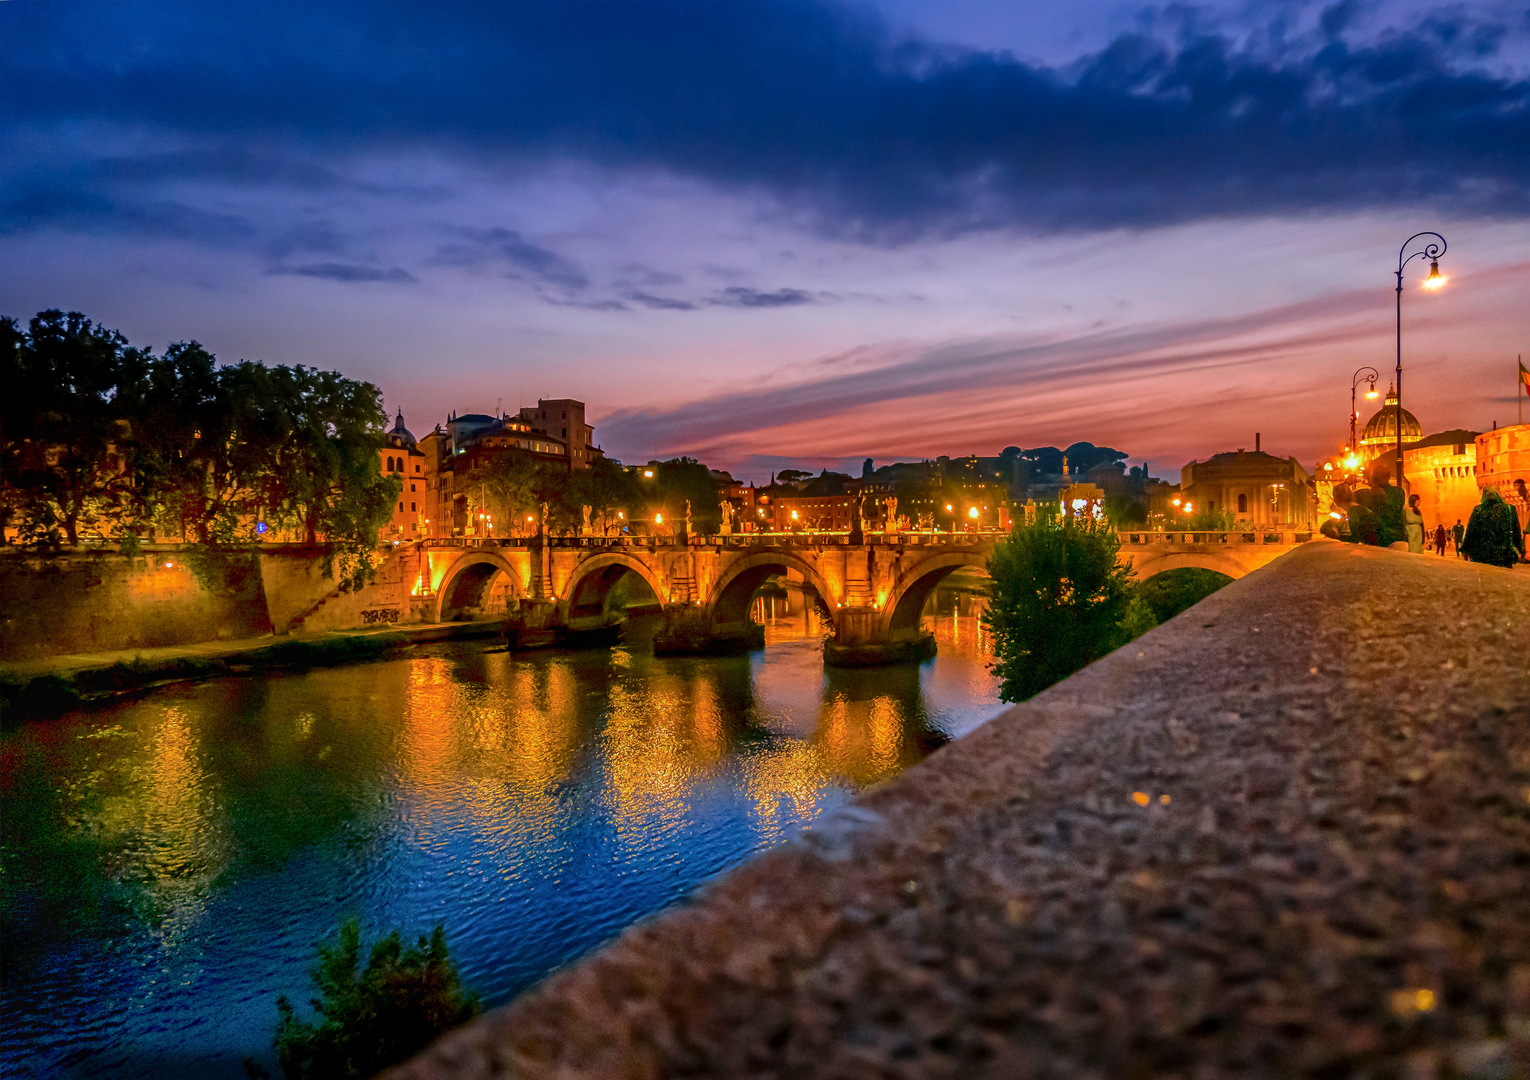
99,601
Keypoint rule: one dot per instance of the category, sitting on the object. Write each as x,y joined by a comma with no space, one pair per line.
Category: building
1442,471
401,456
1503,457
1256,488
563,419
554,432
1379,439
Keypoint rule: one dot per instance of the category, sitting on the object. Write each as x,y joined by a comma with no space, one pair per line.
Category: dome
400,435
1381,430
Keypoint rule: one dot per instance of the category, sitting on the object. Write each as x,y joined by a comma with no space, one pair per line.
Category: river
169,863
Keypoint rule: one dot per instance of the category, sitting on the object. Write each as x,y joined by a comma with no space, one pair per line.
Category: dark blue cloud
870,134
511,252
348,272
754,298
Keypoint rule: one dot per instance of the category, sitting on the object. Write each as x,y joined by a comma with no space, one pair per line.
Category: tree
511,487
610,491
1208,520
390,1011
681,480
67,381
1059,599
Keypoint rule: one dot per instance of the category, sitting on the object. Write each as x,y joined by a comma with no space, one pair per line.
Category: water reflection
169,864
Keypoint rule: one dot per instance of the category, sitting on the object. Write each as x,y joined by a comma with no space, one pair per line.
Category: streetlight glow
973,513
1435,279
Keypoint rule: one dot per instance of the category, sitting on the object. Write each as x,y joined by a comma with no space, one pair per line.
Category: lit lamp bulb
658,519
1370,395
973,513
1435,279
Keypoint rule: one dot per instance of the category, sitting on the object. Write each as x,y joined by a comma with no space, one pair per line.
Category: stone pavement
1286,833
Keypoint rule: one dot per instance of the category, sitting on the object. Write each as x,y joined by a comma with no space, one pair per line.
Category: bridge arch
590,584
735,588
906,600
1155,564
468,582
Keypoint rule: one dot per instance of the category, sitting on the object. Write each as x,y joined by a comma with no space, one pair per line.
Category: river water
170,863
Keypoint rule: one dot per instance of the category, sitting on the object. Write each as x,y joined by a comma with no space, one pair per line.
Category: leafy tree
1492,532
1169,593
1208,520
1059,600
66,383
608,490
511,487
681,480
1126,511
792,476
376,1017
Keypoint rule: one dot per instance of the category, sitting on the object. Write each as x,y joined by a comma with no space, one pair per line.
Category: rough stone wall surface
100,601
1286,833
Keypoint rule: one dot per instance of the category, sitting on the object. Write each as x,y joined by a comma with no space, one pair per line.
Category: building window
411,508
1242,504
401,508
411,487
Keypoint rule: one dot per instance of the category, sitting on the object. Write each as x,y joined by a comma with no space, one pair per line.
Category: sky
762,234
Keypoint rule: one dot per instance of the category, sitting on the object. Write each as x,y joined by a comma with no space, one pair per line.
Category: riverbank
30,689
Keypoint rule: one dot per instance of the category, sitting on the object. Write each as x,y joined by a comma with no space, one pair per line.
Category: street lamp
1431,251
1370,395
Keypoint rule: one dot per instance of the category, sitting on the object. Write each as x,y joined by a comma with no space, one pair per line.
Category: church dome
1381,430
400,435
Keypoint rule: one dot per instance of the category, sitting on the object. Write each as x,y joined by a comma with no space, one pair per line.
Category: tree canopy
1059,600
100,437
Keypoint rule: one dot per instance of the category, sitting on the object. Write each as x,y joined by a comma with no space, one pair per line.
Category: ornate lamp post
1354,383
1432,251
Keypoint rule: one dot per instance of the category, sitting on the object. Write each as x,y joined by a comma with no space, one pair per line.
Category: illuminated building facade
1442,471
401,456
1255,488
1503,456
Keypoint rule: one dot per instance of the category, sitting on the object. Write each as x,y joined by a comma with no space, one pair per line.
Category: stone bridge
873,591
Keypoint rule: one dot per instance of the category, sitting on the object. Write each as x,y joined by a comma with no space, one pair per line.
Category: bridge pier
688,631
862,640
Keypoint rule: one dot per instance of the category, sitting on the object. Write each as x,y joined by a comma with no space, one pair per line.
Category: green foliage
1126,511
1492,532
96,434
683,480
1059,601
1376,515
372,1018
1172,591
1207,520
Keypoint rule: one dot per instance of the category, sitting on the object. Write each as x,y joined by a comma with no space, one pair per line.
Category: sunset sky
771,233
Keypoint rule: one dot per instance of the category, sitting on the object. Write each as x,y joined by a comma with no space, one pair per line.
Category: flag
1524,373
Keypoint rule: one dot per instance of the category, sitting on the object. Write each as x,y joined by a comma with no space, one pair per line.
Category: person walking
1413,526
1457,531
1439,539
1492,533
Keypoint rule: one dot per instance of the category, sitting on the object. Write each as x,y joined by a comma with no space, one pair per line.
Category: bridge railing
1284,537
739,541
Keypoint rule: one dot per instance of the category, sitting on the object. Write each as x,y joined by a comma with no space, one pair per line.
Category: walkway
1288,832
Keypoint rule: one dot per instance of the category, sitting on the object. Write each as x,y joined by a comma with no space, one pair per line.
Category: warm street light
973,512
1431,251
648,474
1370,393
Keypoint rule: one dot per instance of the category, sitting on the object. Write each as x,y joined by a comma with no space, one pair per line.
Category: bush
391,1011
1060,600
1173,591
